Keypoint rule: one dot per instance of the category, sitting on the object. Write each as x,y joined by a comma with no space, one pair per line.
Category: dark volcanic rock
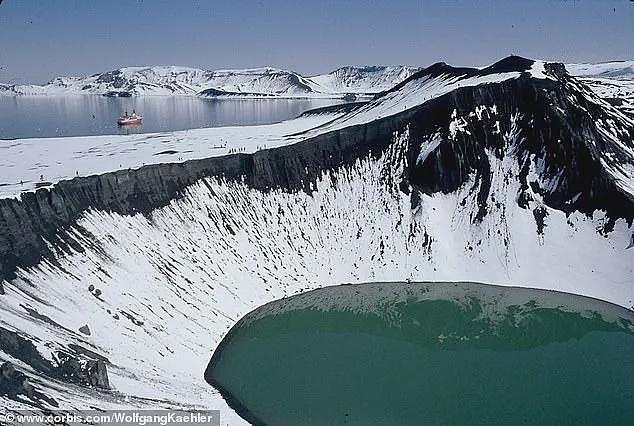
79,365
557,126
117,94
86,372
20,348
14,383
338,108
212,93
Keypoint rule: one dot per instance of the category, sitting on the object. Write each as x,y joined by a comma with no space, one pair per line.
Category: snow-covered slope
613,81
28,164
257,82
619,70
514,174
362,80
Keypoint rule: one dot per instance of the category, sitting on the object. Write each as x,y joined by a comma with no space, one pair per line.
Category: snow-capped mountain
258,82
128,275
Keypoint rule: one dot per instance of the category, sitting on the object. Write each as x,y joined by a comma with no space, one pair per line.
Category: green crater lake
429,353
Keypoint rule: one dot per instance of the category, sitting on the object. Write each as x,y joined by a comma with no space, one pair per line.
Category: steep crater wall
25,224
47,213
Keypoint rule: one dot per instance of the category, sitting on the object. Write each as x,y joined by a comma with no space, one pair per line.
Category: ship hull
128,121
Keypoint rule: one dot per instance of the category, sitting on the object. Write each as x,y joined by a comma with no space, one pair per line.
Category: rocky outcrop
75,365
82,371
15,385
23,349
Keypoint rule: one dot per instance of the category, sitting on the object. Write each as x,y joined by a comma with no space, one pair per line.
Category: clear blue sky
44,38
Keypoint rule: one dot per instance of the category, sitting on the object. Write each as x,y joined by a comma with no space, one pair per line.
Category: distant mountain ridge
613,81
617,70
256,82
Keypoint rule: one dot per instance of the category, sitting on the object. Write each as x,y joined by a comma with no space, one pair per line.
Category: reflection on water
27,117
429,353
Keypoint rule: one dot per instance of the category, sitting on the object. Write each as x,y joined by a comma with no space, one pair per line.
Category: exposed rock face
14,383
555,126
86,372
24,350
77,365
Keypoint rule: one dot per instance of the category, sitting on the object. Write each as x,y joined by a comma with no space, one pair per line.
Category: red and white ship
130,119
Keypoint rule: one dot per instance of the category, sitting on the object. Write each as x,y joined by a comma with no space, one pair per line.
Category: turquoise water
426,355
